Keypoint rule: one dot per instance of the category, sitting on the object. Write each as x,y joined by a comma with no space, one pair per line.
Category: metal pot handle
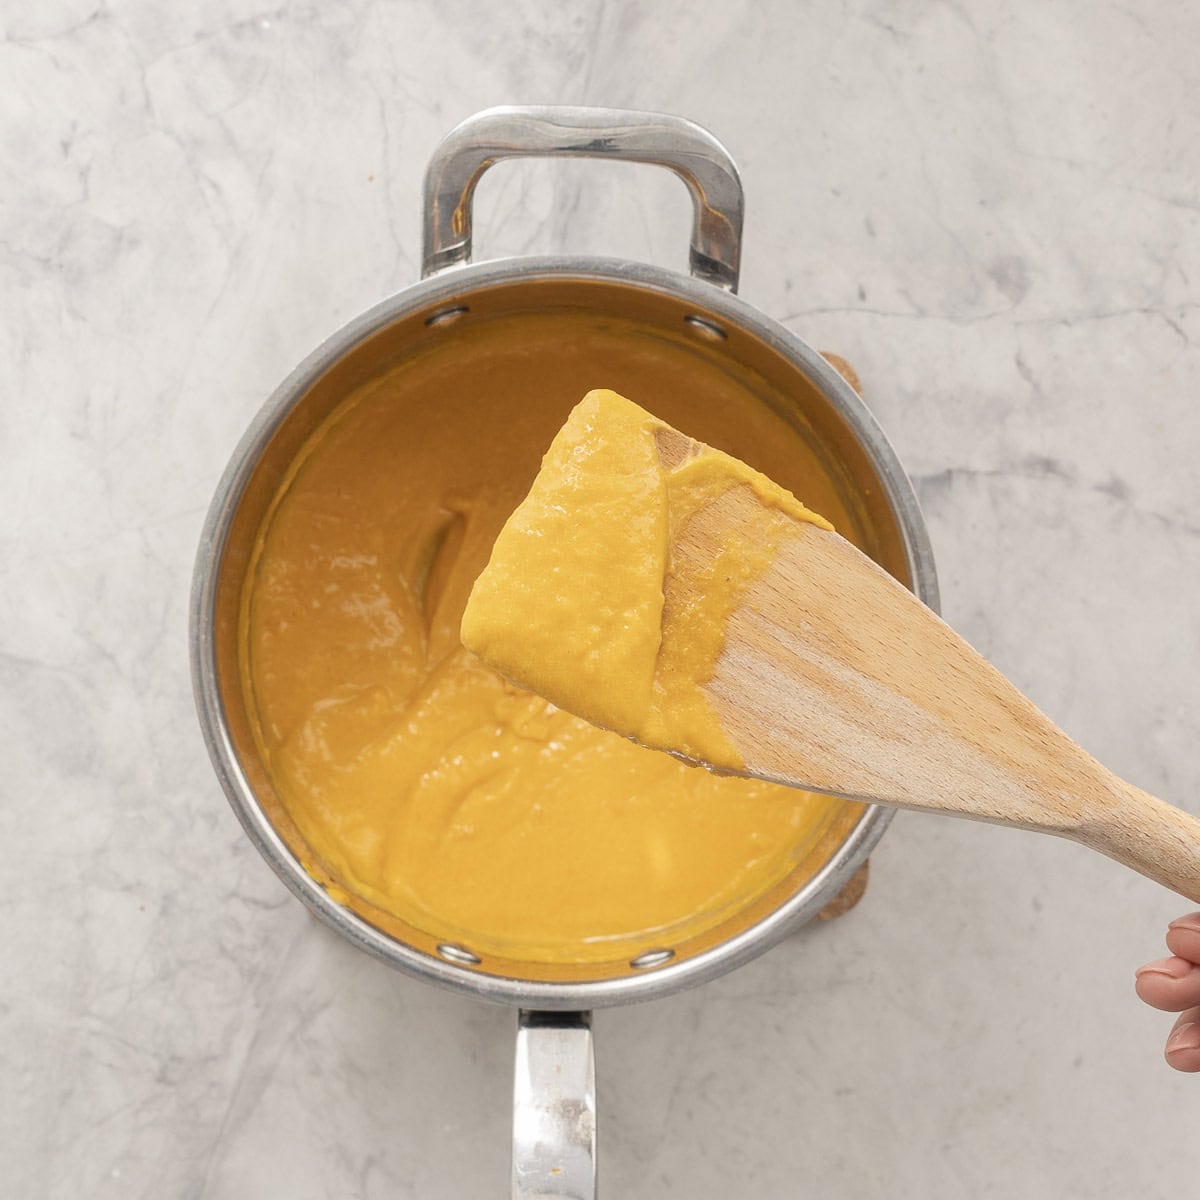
703,164
554,1108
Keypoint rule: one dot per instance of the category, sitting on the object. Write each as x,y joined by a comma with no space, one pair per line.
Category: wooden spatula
662,589
835,678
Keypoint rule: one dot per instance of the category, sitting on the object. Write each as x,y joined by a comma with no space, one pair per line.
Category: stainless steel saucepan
696,316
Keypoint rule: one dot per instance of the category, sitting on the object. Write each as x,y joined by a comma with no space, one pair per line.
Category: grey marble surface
992,209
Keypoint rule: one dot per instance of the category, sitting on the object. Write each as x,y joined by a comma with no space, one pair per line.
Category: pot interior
408,451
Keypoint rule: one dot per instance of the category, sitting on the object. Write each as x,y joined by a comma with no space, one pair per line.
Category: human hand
1173,985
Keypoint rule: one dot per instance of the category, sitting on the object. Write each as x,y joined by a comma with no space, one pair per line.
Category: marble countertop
991,209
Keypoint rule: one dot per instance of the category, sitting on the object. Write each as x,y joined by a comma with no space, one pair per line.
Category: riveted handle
554,1108
691,152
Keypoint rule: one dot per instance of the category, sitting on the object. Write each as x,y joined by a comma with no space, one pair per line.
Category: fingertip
1187,1061
1183,1048
1170,984
1154,989
1183,940
1170,968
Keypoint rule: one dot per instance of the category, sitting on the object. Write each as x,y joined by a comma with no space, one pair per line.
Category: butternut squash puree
418,777
582,600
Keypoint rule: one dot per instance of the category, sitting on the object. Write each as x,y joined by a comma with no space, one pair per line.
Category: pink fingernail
1186,1037
1191,921
1173,968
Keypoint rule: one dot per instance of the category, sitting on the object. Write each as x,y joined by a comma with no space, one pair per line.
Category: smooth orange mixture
583,600
419,778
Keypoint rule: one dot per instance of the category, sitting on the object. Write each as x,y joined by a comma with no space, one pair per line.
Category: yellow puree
583,600
420,779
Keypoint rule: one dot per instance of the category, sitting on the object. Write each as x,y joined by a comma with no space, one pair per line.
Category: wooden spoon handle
1148,835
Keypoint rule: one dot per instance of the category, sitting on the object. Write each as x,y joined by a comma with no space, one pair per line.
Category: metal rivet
651,958
445,315
706,328
458,954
